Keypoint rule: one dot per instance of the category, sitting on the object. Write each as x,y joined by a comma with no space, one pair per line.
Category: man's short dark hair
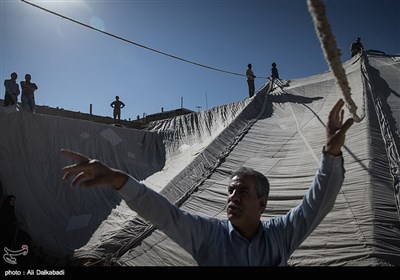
262,184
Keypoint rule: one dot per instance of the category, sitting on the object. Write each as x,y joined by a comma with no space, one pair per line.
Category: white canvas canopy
189,158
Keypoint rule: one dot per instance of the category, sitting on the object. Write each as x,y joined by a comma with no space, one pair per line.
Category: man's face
244,207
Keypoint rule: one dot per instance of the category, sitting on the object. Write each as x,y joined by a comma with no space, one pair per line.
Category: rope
331,52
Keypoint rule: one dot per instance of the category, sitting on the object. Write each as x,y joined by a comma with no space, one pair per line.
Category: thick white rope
331,52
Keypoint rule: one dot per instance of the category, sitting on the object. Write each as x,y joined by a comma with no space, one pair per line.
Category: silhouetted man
117,105
250,79
12,90
356,47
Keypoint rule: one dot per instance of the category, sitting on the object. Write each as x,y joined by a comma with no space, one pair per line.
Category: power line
131,42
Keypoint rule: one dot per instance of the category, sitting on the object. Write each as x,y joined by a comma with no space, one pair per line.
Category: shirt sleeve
187,230
318,201
7,86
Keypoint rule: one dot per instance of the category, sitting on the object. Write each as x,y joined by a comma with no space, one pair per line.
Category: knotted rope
331,52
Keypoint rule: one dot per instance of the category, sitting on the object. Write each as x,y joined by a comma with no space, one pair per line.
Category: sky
75,66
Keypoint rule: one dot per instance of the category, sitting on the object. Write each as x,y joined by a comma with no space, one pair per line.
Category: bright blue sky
75,66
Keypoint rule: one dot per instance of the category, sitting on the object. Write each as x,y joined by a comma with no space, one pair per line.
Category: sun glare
64,5
97,23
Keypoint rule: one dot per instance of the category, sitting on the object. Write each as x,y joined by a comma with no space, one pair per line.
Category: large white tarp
189,158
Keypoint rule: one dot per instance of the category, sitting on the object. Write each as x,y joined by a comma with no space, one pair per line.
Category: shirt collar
231,229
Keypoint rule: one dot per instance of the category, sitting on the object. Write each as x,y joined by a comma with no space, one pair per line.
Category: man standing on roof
117,105
12,90
356,47
274,71
250,79
28,97
242,239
